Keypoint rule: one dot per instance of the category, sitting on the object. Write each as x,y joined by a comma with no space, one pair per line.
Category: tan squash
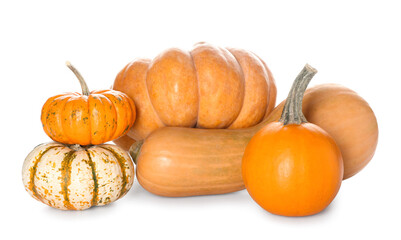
175,161
207,87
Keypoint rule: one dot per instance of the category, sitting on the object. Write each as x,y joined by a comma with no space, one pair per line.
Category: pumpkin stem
135,149
292,112
84,87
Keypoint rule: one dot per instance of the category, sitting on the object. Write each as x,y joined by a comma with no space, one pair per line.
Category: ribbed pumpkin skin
76,178
207,87
74,118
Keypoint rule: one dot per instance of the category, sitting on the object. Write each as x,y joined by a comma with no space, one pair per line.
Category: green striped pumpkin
72,177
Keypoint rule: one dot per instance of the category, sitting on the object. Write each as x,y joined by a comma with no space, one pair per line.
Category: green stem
84,87
292,112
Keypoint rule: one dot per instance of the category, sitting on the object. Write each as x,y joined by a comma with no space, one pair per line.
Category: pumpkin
175,161
89,118
207,87
75,177
292,167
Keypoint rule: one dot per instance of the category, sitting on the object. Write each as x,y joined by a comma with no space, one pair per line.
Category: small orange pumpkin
89,118
292,167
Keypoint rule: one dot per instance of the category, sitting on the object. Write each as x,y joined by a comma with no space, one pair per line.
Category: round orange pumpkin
207,87
292,167
89,118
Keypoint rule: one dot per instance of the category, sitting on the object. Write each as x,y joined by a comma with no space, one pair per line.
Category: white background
353,43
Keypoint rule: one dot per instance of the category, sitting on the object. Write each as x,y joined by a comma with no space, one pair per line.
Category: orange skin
207,87
74,118
292,170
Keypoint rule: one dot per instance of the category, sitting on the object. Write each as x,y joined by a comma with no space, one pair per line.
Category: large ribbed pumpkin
207,87
75,177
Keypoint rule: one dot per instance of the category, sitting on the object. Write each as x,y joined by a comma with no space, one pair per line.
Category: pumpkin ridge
219,105
89,116
112,136
197,83
271,83
268,83
125,70
95,183
133,107
121,162
127,107
32,170
103,98
148,95
86,107
243,80
66,177
242,77
45,115
58,125
62,129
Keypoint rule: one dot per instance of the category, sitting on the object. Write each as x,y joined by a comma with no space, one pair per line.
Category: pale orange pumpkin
207,87
89,118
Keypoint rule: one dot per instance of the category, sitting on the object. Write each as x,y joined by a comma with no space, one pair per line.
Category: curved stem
134,150
84,87
292,112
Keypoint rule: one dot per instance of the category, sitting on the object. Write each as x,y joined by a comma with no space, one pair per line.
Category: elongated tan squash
175,161
75,177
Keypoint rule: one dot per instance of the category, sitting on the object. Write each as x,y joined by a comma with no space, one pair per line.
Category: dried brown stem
292,112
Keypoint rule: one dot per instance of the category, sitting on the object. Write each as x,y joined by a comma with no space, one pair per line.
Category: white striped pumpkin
72,177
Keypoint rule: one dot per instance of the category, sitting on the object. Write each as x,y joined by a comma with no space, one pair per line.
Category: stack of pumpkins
79,171
206,124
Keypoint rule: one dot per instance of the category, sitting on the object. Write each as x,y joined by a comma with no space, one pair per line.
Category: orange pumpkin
292,167
207,87
89,118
